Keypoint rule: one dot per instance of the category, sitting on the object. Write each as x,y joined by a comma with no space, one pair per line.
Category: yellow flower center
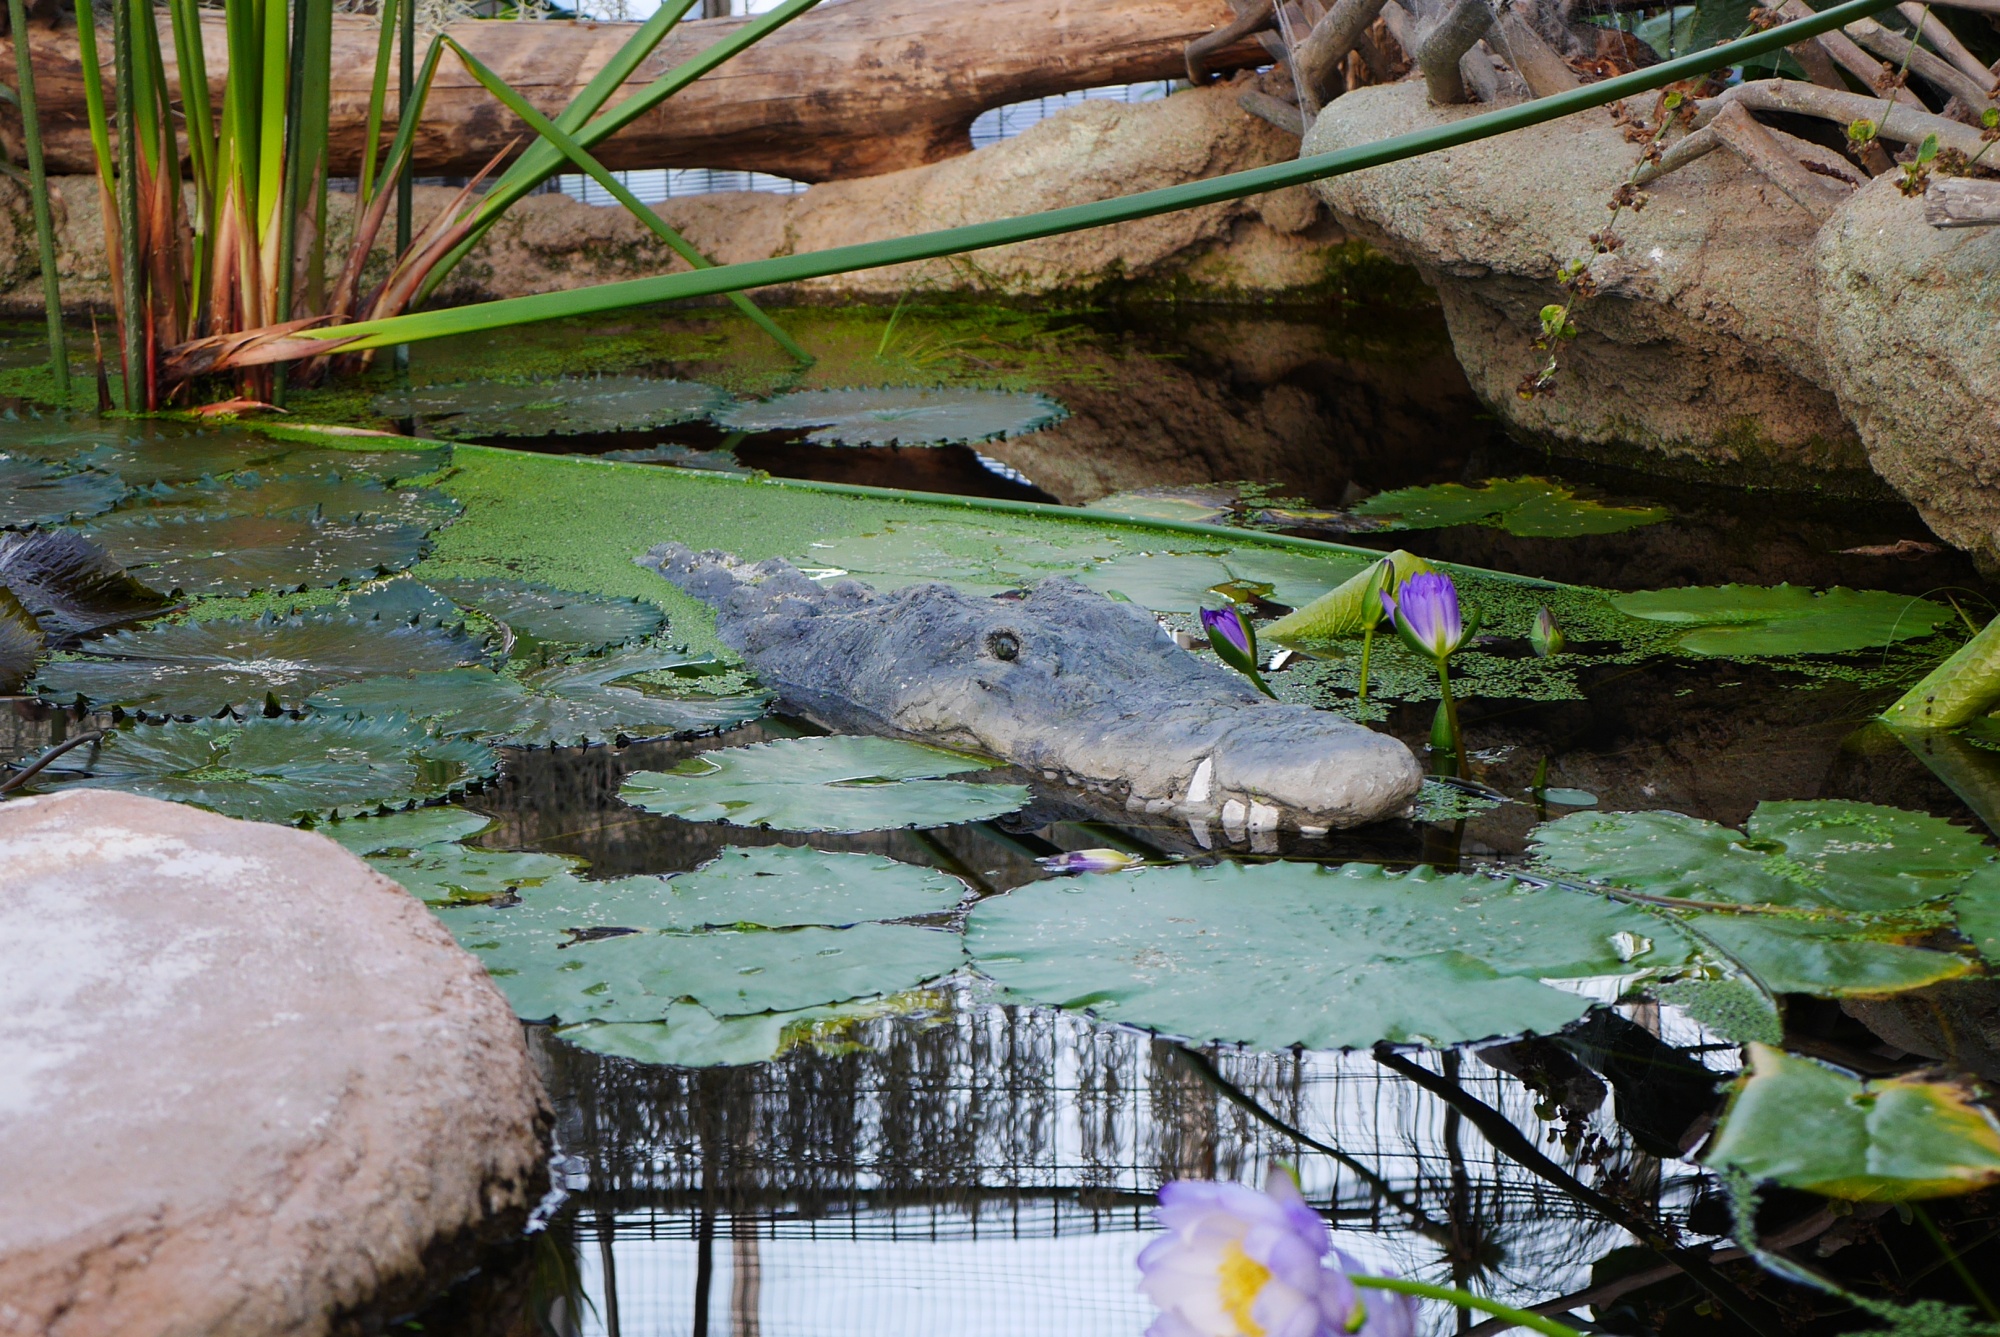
1241,1278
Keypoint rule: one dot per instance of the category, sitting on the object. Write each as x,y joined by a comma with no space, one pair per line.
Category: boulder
1910,335
1254,248
1702,343
247,1085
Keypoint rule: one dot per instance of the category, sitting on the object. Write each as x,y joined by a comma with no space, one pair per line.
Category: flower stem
1451,717
1367,649
1466,1300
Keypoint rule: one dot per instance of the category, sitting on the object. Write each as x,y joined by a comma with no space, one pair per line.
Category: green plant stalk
1465,1300
1028,227
316,123
1451,719
1367,650
272,105
131,319
542,161
378,94
198,112
1956,692
38,189
579,155
406,180
93,94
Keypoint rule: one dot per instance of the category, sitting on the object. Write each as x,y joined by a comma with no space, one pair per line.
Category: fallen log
849,90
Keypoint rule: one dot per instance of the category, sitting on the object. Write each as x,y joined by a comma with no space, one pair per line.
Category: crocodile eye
1003,645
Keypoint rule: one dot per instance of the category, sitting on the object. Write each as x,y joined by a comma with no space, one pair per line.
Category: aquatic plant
1545,637
364,335
897,415
569,405
1374,603
1427,618
1234,641
1956,692
25,100
1736,621
1353,608
245,554
71,586
36,494
1072,862
21,643
1524,507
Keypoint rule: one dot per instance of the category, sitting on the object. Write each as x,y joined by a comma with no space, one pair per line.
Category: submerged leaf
1297,954
1524,507
1756,620
71,585
36,494
897,415
202,668
824,784
563,407
1823,853
21,643
277,769
562,706
1799,1123
546,615
245,554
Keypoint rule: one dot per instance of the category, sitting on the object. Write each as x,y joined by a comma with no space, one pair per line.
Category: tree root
1845,53
1957,201
1540,66
1254,19
1934,70
1945,42
1321,55
1275,110
1445,42
1903,123
1763,150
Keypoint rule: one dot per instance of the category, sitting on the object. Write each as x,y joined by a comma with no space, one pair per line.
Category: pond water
964,1162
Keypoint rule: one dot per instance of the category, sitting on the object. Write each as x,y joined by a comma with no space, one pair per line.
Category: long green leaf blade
38,189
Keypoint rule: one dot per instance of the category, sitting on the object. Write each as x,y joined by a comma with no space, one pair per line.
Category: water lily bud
1235,643
1545,636
1426,613
1070,862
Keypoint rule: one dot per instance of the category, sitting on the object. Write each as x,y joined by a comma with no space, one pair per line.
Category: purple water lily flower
1089,861
1425,609
1235,643
1238,1263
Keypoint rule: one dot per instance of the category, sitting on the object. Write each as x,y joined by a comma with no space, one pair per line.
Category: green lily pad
32,493
147,453
561,706
246,554
1979,913
897,415
21,643
276,769
202,668
824,784
1759,620
1287,954
1184,582
70,585
541,614
563,407
1824,959
328,498
1800,1123
776,886
1817,854
405,832
977,558
690,1036
1525,507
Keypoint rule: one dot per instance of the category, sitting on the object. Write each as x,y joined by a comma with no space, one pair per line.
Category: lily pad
776,886
824,784
32,493
328,498
1758,620
1800,1123
202,668
561,706
1524,507
1817,854
897,415
542,614
71,585
690,1036
1824,959
564,407
277,769
405,832
150,453
1184,582
246,554
21,643
1287,954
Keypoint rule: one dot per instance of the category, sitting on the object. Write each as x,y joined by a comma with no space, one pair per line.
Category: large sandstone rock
247,1085
1253,248
1702,342
1910,328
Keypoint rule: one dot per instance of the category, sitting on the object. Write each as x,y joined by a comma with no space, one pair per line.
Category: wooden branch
1871,72
1533,59
1439,49
1275,110
1962,201
1761,151
1320,56
1254,19
1938,72
851,89
1902,123
1945,42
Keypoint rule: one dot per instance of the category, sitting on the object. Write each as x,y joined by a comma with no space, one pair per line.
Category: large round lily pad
203,668
146,453
32,493
71,585
776,886
1525,507
544,615
562,407
245,554
21,643
329,498
561,706
824,784
277,769
1756,620
897,415
1286,954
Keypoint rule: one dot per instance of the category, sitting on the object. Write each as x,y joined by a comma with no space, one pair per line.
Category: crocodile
1059,680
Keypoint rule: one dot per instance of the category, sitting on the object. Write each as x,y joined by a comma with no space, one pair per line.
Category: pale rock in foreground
1063,682
247,1085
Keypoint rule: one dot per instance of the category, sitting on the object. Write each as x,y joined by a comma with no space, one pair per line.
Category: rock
1063,681
1257,248
1701,345
1910,332
247,1085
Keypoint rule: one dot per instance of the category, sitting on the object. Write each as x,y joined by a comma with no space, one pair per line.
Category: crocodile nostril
1003,645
